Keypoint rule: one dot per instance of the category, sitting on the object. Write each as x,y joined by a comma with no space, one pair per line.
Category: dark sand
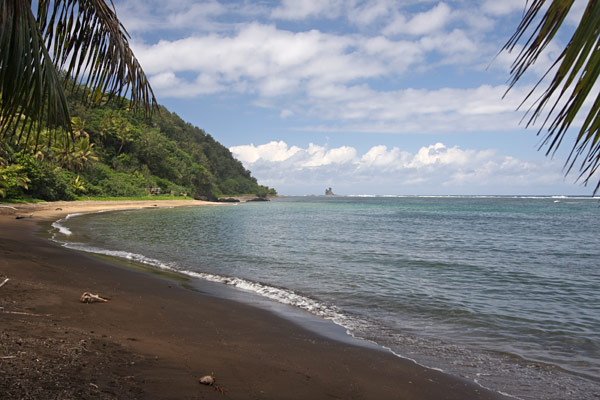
154,339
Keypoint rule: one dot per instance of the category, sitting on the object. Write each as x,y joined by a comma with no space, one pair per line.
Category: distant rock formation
329,192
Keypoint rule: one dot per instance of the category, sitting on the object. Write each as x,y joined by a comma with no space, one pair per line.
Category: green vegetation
114,152
61,141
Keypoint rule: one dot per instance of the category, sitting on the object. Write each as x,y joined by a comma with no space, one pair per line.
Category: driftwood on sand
88,297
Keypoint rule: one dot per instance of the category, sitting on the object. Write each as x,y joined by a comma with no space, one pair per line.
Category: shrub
46,181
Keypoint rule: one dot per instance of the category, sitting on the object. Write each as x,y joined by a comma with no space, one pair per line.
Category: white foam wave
121,254
284,296
63,229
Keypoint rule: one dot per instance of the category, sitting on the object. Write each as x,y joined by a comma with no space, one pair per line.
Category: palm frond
29,82
577,70
87,38
83,38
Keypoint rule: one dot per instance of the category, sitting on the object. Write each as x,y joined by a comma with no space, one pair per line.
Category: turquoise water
502,291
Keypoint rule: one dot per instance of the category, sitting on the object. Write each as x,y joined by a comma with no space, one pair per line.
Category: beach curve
154,339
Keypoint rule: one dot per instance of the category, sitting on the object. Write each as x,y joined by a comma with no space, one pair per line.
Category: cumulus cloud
193,13
433,169
270,152
318,76
270,60
319,156
416,110
382,159
370,11
495,7
422,23
171,85
357,76
301,9
140,16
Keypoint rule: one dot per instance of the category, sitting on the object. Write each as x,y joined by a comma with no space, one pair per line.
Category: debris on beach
6,280
209,380
23,216
88,297
24,313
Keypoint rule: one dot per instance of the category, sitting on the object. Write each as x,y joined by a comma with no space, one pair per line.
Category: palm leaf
29,81
577,70
83,38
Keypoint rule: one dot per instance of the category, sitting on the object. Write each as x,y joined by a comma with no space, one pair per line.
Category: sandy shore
154,339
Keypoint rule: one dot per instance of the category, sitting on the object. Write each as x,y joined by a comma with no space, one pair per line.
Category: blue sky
365,96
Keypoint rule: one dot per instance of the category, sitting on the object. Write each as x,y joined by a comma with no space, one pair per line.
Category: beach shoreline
155,339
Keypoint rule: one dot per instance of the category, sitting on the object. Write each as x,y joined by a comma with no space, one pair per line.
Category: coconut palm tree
571,90
45,44
75,155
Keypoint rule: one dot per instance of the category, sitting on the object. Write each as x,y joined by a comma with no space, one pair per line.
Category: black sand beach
155,339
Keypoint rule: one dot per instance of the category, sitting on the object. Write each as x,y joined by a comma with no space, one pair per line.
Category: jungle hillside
113,151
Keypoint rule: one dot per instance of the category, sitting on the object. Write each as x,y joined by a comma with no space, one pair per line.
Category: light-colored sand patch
54,210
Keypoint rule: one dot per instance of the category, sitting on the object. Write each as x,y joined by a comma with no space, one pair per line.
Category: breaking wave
59,225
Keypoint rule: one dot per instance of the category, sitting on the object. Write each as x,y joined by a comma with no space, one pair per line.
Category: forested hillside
114,152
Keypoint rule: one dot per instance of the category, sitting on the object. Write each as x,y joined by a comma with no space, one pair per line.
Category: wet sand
154,339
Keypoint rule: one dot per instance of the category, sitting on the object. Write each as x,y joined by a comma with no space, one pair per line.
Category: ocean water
504,291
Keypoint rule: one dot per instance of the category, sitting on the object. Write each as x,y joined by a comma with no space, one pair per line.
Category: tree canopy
115,152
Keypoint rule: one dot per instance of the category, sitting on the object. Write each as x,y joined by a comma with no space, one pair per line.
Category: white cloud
370,11
351,81
272,60
379,157
319,156
433,169
439,155
151,15
454,43
327,78
427,22
195,13
313,74
362,109
272,152
301,9
169,84
504,7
